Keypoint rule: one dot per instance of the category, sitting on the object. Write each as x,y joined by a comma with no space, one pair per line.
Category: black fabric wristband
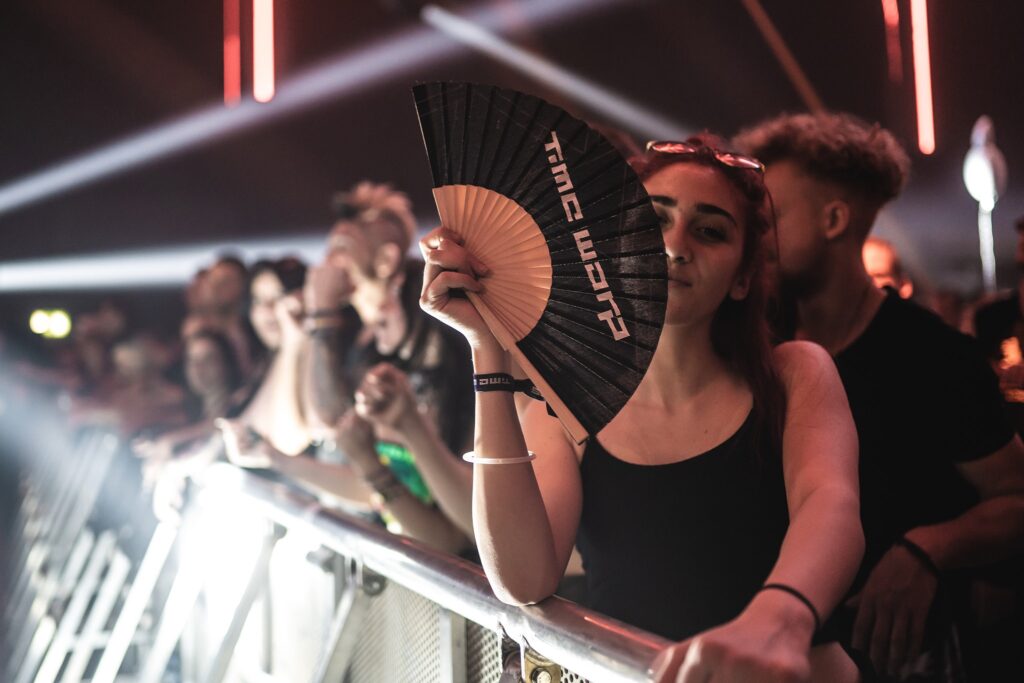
799,596
502,381
919,552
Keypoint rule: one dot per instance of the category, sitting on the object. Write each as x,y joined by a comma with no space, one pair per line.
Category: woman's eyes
712,233
708,232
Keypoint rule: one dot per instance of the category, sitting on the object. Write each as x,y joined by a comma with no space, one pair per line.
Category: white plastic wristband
471,457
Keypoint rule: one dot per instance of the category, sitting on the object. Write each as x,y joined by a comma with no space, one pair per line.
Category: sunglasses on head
730,159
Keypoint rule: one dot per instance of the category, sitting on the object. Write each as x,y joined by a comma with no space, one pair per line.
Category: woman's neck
685,366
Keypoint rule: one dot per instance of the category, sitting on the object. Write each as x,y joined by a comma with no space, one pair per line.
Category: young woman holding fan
719,507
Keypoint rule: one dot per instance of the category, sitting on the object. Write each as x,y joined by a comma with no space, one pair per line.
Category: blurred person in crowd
883,265
275,311
941,471
269,427
216,298
882,262
259,414
391,388
93,338
228,279
999,324
719,507
137,399
144,400
214,378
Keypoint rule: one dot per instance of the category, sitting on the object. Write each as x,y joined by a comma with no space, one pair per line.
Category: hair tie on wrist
919,552
502,381
799,596
471,457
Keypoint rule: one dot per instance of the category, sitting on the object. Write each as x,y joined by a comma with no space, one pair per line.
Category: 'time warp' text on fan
573,212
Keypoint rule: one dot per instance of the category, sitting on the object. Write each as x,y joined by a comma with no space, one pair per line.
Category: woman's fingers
443,250
439,290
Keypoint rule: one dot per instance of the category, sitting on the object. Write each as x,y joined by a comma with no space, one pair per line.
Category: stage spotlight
60,325
39,322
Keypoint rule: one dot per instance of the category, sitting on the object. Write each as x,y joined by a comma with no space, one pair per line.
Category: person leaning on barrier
268,429
392,388
213,375
942,473
719,507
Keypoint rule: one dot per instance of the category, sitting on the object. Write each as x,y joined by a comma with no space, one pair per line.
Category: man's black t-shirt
924,399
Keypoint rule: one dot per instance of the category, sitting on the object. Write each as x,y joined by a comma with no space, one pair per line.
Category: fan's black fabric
494,138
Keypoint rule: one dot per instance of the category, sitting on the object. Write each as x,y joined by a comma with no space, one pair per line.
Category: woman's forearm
822,549
511,525
332,479
275,412
426,523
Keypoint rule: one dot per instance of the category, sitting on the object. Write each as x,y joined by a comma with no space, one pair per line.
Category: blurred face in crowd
266,290
701,216
226,283
799,206
131,362
370,264
205,367
880,263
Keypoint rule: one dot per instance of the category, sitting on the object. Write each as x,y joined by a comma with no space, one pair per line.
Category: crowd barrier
259,582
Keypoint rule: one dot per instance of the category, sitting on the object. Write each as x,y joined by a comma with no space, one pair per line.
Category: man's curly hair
835,147
369,203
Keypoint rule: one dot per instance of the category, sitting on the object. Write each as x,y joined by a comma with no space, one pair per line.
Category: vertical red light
893,49
232,53
922,76
263,50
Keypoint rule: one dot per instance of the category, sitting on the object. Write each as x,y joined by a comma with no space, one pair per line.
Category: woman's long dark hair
740,332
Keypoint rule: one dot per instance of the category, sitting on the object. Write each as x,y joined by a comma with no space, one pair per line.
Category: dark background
75,76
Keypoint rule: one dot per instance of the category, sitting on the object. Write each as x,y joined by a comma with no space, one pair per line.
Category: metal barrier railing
262,583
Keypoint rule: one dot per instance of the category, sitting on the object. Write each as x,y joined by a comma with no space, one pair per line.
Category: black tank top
679,548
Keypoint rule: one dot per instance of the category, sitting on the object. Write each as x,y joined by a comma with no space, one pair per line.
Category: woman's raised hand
450,269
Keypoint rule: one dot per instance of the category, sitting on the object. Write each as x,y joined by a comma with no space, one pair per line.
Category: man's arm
325,393
993,529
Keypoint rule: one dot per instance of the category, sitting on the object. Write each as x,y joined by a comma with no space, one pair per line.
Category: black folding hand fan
577,286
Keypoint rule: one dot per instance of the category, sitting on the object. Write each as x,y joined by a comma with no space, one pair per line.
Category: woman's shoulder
544,432
797,362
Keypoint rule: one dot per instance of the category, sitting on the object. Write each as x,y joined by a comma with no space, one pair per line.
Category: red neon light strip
922,77
263,50
232,54
893,49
